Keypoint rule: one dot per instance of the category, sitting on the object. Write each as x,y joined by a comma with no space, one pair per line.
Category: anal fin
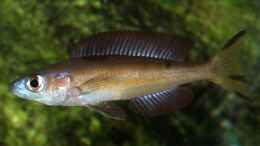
162,102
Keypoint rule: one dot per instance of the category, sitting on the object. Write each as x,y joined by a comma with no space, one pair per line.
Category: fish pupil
34,83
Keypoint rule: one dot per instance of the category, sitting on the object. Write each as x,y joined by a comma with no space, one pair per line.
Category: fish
149,70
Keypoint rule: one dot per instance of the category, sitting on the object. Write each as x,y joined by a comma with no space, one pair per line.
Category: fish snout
13,86
16,87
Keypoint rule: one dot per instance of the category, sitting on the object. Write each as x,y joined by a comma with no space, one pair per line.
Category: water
34,34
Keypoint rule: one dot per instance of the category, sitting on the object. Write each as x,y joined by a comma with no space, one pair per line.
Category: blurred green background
35,33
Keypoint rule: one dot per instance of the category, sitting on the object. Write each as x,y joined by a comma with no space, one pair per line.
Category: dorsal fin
150,45
162,102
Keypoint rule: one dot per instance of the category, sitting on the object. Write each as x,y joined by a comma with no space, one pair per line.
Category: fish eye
35,83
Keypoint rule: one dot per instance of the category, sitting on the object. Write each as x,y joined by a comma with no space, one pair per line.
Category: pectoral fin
162,102
110,110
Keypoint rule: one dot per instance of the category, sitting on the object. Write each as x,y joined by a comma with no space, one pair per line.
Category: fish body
126,71
123,78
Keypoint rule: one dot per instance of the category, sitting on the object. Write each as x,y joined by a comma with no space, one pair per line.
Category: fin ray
110,110
150,45
162,102
227,64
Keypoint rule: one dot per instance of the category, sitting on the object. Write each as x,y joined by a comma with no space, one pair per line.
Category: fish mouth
15,88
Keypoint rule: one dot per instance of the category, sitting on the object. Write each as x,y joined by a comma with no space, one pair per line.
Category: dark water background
35,33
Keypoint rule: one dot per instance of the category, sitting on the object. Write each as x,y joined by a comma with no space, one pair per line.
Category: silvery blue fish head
49,89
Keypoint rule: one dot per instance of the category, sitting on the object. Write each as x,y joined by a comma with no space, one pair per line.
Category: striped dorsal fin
142,44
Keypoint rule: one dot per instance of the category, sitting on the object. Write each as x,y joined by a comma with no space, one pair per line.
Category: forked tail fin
227,64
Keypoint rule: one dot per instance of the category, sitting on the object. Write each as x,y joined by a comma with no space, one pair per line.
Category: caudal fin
227,64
